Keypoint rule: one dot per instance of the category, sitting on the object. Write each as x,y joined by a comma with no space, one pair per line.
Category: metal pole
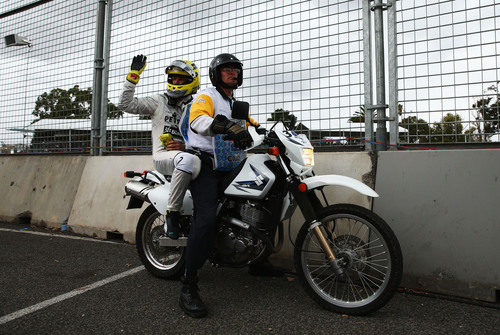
393,76
381,135
25,146
97,86
368,79
104,100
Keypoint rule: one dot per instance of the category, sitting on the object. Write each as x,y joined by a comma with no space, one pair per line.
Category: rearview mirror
240,110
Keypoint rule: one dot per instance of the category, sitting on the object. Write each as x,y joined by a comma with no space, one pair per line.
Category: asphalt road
38,271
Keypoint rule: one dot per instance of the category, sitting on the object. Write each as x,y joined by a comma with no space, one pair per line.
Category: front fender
333,179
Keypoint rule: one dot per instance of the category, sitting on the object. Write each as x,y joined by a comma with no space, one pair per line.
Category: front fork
332,260
303,198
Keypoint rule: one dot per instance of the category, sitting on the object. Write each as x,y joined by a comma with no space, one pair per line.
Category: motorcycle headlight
308,156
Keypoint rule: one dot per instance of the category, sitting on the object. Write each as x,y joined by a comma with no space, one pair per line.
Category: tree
288,119
419,130
487,117
359,116
74,103
448,130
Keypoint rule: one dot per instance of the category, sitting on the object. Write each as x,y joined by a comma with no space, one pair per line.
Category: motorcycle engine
237,246
251,214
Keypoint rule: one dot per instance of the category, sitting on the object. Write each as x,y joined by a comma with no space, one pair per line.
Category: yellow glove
165,138
138,65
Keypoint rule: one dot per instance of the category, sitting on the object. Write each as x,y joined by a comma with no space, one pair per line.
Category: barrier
39,188
100,204
443,207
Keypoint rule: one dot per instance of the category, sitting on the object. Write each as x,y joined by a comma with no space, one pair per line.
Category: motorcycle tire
368,252
163,262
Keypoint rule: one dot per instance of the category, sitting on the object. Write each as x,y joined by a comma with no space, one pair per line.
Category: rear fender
159,199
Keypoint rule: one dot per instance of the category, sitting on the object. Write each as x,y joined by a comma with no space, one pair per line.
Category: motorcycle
347,258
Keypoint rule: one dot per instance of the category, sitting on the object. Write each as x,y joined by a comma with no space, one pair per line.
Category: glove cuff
220,124
133,76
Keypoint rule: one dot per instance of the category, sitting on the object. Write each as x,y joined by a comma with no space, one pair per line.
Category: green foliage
288,119
448,130
359,116
74,103
486,119
419,131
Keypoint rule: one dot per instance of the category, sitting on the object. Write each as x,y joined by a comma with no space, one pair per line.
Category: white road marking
49,302
57,235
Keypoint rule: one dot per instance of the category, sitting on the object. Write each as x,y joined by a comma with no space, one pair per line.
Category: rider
210,119
165,110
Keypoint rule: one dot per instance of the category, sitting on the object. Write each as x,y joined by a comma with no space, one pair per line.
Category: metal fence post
381,133
104,98
97,85
367,67
393,76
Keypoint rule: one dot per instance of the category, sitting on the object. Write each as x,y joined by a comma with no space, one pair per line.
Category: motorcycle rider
210,122
165,110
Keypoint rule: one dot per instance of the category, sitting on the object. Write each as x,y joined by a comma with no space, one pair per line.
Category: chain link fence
303,61
449,71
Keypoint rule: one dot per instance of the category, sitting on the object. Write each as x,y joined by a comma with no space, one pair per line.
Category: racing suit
165,119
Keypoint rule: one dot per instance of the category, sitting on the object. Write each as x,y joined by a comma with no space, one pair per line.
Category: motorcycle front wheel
163,262
368,253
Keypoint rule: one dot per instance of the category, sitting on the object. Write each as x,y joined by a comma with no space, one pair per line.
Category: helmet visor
174,78
181,68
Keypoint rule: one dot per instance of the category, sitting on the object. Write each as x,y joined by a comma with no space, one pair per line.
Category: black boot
172,224
265,269
190,300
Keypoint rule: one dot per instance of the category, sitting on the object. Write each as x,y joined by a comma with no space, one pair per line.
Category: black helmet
214,72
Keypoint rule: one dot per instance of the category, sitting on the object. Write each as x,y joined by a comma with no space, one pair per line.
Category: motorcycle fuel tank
254,180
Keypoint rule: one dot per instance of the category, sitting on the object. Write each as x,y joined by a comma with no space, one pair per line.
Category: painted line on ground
57,235
65,296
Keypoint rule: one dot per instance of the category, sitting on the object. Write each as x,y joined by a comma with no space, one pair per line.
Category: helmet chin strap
172,101
179,101
223,84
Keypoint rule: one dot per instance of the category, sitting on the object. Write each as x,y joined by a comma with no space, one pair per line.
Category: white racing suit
165,118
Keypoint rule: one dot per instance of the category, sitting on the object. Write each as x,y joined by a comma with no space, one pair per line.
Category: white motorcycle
347,257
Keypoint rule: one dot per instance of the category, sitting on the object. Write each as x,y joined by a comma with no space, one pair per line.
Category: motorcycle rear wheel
163,262
369,253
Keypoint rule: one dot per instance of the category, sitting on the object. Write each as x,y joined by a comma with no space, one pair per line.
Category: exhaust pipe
237,222
138,189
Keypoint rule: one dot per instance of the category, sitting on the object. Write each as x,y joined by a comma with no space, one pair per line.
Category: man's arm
127,102
201,115
175,145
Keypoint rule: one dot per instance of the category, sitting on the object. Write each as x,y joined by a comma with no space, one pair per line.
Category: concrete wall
40,187
100,204
444,209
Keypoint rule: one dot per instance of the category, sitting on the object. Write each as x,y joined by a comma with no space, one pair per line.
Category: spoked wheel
368,253
164,262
